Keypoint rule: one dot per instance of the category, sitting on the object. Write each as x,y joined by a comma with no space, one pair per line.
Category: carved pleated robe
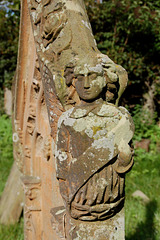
93,154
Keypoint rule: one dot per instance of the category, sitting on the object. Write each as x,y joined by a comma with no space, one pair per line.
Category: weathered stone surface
93,154
33,144
111,229
95,167
32,208
87,133
69,228
64,46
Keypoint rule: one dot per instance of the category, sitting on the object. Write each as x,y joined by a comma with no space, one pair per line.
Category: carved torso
88,158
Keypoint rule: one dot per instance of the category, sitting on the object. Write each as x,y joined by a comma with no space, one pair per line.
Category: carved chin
88,95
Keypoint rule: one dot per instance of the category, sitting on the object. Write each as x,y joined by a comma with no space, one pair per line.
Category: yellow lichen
95,129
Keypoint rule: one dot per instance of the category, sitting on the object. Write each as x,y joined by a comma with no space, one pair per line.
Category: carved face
89,84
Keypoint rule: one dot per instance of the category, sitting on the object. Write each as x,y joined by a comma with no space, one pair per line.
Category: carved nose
86,82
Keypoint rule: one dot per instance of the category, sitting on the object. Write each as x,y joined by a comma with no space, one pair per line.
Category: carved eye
80,77
92,76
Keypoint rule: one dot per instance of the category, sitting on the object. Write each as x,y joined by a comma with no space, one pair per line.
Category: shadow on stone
146,229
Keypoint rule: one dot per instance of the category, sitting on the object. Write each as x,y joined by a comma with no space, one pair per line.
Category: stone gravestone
8,101
71,140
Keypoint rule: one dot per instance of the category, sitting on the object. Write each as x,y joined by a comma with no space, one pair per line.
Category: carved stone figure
66,111
93,150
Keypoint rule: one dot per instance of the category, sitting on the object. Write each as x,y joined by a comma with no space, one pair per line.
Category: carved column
33,144
84,140
32,208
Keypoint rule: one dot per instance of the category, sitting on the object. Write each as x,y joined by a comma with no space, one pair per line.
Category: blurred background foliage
128,32
9,33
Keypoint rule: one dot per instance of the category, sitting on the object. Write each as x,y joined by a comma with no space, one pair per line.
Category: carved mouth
87,92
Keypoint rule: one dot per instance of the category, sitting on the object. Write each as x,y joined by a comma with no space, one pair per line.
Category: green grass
12,232
6,152
143,220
